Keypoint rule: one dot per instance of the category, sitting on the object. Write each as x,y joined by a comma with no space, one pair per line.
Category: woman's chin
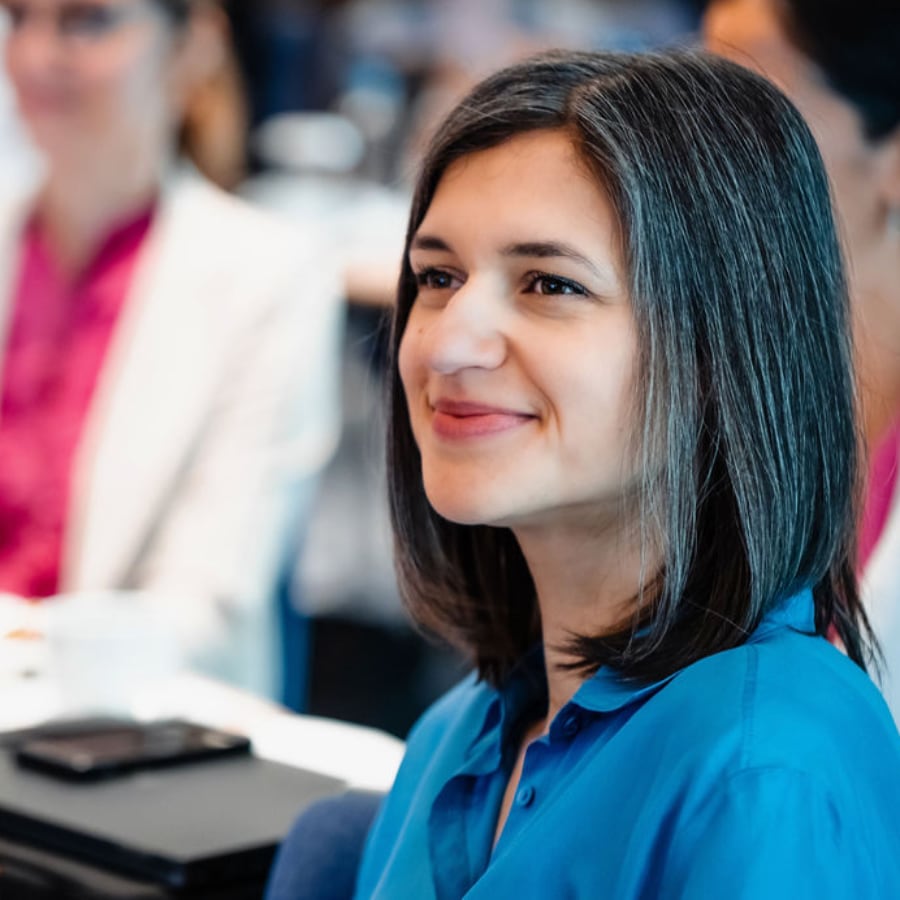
462,510
476,509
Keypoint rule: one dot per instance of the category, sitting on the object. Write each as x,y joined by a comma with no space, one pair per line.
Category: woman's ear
210,96
200,51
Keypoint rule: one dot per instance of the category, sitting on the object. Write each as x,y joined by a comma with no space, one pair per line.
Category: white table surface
31,692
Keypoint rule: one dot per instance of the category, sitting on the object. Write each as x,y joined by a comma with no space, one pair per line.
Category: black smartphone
104,750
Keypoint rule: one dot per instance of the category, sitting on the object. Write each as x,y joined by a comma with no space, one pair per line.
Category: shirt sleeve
773,833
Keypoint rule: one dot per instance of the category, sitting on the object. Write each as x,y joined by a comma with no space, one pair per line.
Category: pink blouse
59,330
881,487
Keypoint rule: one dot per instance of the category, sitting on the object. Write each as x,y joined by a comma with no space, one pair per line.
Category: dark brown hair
745,388
213,134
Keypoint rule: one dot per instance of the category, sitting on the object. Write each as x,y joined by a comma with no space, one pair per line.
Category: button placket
526,792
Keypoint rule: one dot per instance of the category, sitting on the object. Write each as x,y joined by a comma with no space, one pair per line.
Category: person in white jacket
208,396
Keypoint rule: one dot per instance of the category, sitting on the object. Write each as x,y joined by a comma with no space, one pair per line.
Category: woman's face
518,357
751,33
93,76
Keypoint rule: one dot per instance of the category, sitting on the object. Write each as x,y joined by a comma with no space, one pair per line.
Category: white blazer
880,591
216,407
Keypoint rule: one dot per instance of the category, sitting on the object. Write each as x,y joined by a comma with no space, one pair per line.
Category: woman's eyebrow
429,242
532,249
551,249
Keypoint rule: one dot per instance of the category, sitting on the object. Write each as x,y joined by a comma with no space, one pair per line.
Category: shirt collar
797,613
122,238
607,691
525,688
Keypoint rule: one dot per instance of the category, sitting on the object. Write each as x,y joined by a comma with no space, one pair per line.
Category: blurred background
318,118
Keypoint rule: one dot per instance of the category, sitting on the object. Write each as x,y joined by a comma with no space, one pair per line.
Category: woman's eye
88,20
541,283
435,279
15,13
79,19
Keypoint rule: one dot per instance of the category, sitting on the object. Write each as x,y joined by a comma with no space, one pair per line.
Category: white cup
106,649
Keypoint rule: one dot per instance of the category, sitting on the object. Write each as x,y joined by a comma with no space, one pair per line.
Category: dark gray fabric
319,858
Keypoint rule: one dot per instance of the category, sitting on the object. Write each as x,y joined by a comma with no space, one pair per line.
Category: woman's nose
469,331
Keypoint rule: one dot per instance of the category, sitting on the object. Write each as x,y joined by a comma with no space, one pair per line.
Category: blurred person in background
840,63
169,354
18,159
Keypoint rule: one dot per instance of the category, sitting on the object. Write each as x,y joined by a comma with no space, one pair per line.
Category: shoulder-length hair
745,398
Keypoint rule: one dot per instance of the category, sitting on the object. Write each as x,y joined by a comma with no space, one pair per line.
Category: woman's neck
876,326
77,210
586,582
878,367
586,577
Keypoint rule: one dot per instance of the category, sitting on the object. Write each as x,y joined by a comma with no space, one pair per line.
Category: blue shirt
768,771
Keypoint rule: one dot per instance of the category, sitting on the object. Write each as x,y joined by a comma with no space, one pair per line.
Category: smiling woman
506,407
621,314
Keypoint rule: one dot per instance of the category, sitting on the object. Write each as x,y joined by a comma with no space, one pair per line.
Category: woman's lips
456,420
45,101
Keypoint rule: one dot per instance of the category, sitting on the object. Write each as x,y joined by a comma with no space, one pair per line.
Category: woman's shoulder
790,699
438,743
458,713
248,253
225,216
788,735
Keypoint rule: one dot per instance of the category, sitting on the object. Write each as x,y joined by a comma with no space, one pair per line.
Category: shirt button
525,796
571,725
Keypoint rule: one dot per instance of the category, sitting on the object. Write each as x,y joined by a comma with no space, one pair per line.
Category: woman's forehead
530,170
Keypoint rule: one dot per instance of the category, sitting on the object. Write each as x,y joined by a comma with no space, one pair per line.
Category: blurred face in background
96,79
751,33
865,177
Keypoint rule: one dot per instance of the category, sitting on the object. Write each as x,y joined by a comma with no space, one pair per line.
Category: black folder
195,826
